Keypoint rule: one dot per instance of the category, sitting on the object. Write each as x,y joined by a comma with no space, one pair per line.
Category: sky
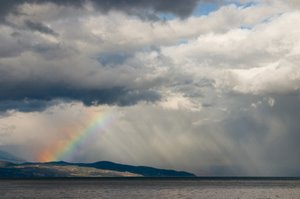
209,87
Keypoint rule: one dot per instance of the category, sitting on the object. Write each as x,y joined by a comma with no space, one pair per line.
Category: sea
151,188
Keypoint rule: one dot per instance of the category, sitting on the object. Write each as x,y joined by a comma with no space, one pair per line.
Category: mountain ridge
95,169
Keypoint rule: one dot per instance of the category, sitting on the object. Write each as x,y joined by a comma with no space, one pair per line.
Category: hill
97,169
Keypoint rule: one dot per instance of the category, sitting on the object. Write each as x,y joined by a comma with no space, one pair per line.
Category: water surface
150,188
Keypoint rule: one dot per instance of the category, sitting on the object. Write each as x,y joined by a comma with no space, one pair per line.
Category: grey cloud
266,135
113,58
181,8
40,27
10,47
14,44
34,87
33,96
25,105
14,41
245,140
257,141
232,134
178,7
52,51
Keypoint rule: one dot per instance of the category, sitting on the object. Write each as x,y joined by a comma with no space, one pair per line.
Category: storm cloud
210,87
37,26
178,7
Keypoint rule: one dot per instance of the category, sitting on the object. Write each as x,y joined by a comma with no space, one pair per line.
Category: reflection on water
96,188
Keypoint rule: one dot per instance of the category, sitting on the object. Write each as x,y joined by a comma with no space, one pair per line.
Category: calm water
173,189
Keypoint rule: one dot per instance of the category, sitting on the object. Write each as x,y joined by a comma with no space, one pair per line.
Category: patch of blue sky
205,9
244,4
271,18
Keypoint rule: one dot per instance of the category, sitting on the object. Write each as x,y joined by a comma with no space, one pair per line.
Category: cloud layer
140,8
216,94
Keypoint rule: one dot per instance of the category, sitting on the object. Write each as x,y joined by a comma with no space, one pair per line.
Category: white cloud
258,60
72,57
177,101
281,77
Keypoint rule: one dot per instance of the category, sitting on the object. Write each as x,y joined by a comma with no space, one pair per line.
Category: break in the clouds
212,91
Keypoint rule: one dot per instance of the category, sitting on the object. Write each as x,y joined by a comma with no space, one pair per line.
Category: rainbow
76,135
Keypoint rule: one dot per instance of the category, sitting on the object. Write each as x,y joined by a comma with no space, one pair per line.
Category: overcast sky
210,87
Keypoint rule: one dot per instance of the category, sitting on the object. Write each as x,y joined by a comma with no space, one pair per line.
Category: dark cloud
11,51
25,105
181,8
178,7
11,46
40,27
38,96
52,51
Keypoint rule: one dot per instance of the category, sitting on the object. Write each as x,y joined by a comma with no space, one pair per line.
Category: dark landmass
78,170
141,170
